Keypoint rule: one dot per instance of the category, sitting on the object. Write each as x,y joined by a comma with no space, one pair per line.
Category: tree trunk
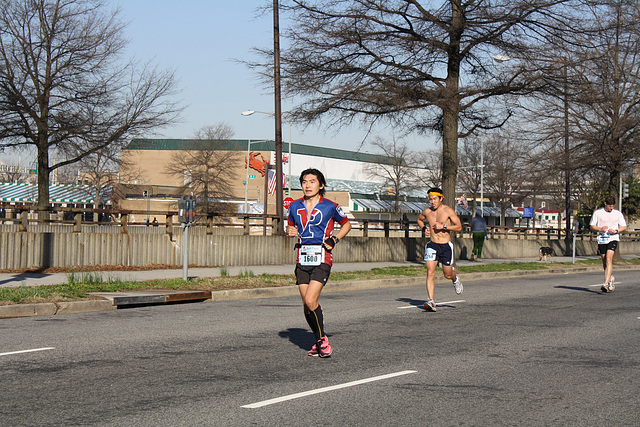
451,107
43,171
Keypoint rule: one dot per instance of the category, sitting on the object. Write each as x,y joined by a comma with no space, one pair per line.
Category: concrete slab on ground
152,296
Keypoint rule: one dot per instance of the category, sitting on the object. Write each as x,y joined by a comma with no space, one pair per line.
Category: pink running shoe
324,346
314,350
325,349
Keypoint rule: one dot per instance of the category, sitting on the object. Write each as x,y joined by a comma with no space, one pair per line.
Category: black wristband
331,241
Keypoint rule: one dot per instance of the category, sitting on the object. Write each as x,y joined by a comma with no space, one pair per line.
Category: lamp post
288,116
567,199
481,178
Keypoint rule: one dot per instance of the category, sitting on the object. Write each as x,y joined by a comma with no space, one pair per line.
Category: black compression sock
311,320
318,317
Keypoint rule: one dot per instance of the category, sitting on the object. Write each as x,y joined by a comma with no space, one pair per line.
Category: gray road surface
547,350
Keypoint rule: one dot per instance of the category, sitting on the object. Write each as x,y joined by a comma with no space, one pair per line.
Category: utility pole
278,116
567,170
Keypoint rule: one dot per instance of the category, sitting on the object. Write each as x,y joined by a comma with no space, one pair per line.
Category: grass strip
79,285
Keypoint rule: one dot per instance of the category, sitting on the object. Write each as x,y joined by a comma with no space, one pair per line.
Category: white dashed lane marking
437,304
325,389
26,351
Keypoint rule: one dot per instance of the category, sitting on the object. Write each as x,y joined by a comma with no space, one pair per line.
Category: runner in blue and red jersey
312,220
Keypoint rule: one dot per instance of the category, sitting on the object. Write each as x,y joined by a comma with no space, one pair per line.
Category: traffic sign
287,202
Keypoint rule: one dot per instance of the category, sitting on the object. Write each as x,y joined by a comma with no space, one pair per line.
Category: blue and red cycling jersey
315,228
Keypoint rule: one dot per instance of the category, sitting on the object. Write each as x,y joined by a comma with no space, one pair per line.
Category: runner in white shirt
609,223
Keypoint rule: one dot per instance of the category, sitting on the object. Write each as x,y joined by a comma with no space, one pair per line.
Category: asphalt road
545,350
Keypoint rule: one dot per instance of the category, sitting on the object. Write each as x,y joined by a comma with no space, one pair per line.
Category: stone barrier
20,250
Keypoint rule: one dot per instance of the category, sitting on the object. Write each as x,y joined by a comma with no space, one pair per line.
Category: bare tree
209,176
68,174
607,117
420,65
63,86
471,175
14,174
506,171
100,171
394,169
587,115
429,165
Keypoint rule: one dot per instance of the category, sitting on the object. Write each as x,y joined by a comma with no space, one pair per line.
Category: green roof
241,145
67,193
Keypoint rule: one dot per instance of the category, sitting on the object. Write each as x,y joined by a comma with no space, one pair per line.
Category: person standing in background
479,233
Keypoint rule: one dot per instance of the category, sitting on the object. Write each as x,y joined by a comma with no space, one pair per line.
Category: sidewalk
37,279
115,300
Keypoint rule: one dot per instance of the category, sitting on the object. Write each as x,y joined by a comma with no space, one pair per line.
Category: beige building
154,173
154,176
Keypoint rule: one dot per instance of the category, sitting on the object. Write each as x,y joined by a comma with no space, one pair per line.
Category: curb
51,308
115,300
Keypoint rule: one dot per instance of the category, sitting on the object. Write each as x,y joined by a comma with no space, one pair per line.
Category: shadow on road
420,303
578,288
303,338
411,301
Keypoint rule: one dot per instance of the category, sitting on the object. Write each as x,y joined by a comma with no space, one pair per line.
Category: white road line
437,304
324,389
27,351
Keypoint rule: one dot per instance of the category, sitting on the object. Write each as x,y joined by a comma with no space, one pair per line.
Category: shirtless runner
441,220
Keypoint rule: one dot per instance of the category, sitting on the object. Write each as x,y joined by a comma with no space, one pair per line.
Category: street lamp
481,178
288,116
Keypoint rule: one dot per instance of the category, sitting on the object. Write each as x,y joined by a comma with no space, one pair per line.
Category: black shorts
611,246
441,252
307,273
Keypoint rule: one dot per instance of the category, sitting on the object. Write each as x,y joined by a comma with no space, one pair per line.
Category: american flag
272,181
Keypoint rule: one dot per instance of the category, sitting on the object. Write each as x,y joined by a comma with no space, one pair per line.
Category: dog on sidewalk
545,252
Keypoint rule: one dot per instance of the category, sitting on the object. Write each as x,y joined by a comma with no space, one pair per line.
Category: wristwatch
445,226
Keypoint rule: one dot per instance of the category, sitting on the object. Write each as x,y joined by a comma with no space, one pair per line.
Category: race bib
604,238
430,254
311,255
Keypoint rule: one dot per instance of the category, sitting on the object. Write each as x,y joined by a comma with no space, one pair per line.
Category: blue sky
202,40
